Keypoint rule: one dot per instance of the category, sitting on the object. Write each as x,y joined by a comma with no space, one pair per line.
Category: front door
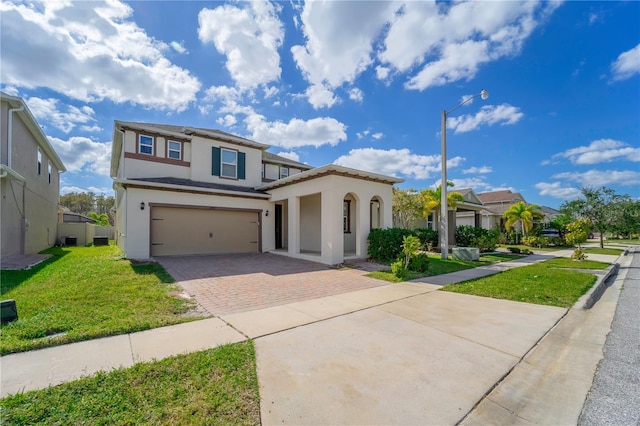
278,226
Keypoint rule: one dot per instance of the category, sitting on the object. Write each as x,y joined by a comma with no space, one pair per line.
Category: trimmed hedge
385,245
471,236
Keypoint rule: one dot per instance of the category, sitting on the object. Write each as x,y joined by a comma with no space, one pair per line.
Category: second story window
49,170
284,172
145,145
174,150
229,164
263,167
39,161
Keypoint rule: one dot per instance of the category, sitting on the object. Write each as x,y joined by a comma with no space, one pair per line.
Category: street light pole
444,208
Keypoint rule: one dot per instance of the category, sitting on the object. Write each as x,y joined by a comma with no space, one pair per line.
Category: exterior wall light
142,205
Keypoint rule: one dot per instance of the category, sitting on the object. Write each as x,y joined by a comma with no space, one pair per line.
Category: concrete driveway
224,284
424,359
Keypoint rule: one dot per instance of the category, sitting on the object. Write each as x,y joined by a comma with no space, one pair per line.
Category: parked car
550,233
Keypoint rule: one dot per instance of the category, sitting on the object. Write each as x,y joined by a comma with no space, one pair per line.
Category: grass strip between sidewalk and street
217,386
546,283
82,293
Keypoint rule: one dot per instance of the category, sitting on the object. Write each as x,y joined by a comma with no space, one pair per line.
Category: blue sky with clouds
356,83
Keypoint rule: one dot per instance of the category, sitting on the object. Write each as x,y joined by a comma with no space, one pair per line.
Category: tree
626,217
86,202
407,207
431,200
524,214
578,232
598,205
101,219
560,222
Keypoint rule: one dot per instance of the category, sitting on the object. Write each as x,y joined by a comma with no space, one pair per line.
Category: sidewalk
41,368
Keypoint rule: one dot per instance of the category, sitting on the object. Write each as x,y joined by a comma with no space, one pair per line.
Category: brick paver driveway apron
224,284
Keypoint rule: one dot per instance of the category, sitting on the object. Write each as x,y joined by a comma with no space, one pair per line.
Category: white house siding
333,189
140,220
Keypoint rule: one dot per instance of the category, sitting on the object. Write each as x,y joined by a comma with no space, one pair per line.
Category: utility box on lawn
100,241
8,311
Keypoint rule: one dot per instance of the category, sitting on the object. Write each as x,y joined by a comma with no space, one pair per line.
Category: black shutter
215,161
242,165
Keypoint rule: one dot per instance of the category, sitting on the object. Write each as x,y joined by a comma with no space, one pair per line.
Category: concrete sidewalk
361,356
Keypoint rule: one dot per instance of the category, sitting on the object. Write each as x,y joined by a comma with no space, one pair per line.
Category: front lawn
81,293
438,266
542,283
606,250
217,386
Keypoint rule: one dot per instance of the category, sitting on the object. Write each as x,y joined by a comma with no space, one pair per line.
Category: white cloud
599,178
69,189
296,133
336,51
557,190
320,97
599,151
382,73
10,90
377,136
362,134
290,155
356,94
447,43
80,153
91,129
178,47
395,162
478,170
97,53
47,111
627,65
489,115
227,121
249,37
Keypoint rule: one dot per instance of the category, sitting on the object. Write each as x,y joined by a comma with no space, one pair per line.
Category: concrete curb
593,295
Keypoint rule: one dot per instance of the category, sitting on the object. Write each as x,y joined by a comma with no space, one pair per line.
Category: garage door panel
177,231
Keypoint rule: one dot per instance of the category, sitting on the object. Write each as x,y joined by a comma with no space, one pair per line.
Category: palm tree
101,219
431,200
523,213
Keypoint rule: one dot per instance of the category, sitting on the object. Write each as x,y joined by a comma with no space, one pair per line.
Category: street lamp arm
483,93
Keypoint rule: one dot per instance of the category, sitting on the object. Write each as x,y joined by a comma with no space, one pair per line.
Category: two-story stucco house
184,190
29,181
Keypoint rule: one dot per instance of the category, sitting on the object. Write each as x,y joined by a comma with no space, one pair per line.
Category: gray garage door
180,231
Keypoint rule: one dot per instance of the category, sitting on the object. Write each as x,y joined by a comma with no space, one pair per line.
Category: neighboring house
67,216
30,181
498,202
185,190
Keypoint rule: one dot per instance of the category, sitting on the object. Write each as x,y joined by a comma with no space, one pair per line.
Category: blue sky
360,84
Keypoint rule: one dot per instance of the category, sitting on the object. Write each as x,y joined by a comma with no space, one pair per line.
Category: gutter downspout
10,132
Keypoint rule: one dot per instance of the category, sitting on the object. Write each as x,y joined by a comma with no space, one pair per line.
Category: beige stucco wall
138,222
198,153
333,190
310,223
36,199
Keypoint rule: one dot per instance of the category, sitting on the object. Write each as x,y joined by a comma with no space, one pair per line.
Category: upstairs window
49,170
145,145
284,172
229,164
174,150
39,161
263,167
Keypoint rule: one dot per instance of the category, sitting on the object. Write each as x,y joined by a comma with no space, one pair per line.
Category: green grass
218,386
542,283
82,293
438,266
523,247
606,250
565,262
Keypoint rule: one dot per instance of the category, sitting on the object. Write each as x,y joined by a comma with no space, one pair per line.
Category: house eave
330,170
9,173
133,183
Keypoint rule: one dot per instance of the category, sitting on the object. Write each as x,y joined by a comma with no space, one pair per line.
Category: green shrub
419,263
399,270
531,241
410,248
428,237
385,245
515,250
579,254
471,236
